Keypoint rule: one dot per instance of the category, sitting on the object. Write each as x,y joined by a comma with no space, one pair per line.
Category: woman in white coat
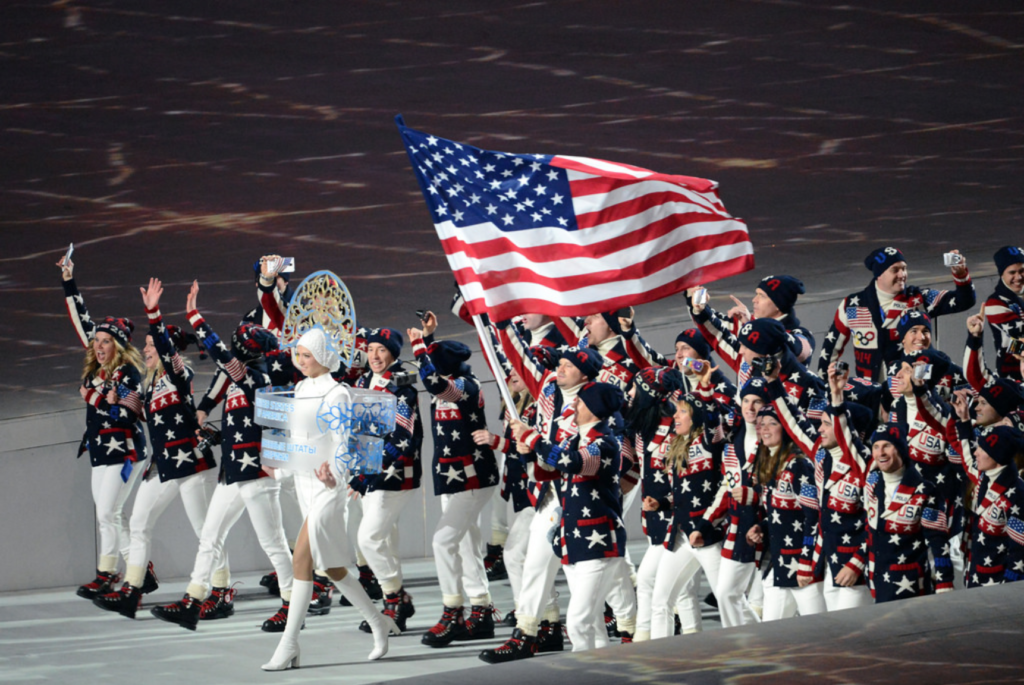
323,542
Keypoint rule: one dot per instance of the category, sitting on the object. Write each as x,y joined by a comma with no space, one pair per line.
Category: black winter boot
519,646
184,612
125,601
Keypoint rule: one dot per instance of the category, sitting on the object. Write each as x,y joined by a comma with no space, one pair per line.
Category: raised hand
429,324
193,296
151,295
739,313
67,268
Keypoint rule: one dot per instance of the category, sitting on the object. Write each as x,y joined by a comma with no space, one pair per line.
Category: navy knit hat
695,339
914,317
602,399
764,336
881,259
588,360
896,434
656,383
1003,395
1007,256
756,386
782,290
120,328
251,342
449,356
1002,443
389,338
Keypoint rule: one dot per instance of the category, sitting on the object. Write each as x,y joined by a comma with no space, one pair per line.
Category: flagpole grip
492,359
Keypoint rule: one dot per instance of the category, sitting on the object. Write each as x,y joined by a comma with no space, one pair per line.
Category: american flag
1015,529
403,416
809,496
858,317
567,236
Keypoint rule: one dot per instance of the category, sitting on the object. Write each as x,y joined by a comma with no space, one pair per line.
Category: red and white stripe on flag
567,236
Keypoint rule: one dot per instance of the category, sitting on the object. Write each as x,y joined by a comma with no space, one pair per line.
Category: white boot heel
290,659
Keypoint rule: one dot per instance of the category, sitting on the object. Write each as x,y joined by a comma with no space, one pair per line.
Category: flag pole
492,359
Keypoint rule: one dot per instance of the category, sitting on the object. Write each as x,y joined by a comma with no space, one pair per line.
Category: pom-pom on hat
120,328
389,338
250,342
588,360
656,383
881,259
178,337
895,434
1007,256
315,340
1002,443
449,356
602,399
783,291
1004,396
764,336
695,339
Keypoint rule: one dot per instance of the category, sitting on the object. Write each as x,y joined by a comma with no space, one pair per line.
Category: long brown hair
122,355
771,463
679,448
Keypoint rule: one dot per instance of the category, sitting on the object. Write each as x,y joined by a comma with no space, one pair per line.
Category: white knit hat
315,341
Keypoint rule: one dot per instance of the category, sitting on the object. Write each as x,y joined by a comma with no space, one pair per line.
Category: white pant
153,499
499,509
378,535
838,598
589,583
515,550
260,498
675,570
627,503
734,578
537,598
622,599
784,602
458,546
109,493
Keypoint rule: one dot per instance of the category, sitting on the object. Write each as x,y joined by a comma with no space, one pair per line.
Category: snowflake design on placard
322,301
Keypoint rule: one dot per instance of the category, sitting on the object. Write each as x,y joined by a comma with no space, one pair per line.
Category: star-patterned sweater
789,521
401,466
650,452
715,325
242,437
901,531
169,412
589,465
738,460
516,485
872,327
1004,311
839,475
997,518
459,465
113,434
696,485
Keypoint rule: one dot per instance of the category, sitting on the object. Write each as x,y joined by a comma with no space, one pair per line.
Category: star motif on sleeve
586,512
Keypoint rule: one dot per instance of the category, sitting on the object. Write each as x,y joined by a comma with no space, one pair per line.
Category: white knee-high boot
287,653
380,624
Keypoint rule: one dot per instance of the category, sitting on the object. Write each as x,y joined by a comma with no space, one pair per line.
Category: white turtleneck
892,481
541,332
